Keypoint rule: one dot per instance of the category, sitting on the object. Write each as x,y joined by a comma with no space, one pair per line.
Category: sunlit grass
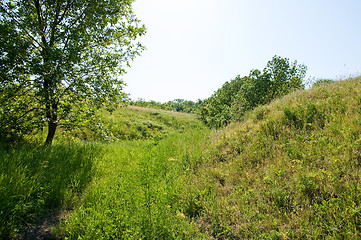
122,189
289,170
138,191
133,123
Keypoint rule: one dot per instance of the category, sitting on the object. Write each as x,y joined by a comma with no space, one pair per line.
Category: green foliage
242,94
216,111
66,57
177,105
16,108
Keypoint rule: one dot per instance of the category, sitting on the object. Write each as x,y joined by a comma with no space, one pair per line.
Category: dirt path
43,230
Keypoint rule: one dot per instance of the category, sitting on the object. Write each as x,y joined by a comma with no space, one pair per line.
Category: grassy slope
289,170
133,123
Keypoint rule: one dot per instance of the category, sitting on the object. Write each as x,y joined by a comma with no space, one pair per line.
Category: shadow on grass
36,183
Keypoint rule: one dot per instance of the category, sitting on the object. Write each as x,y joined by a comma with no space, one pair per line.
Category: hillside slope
131,123
290,170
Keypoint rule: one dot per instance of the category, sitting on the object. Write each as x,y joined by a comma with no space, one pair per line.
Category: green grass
34,181
289,170
139,189
133,123
124,189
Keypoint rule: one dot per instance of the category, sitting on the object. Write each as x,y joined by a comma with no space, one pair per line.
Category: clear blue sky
194,46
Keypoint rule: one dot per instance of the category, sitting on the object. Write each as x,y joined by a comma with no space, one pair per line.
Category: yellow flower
171,159
181,215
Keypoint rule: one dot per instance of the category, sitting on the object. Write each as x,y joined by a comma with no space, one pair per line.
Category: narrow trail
43,230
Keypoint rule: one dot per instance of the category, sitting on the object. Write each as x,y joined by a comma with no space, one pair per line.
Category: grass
133,123
138,192
124,189
34,181
289,170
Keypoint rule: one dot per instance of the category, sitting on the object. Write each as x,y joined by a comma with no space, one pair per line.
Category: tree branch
41,24
22,28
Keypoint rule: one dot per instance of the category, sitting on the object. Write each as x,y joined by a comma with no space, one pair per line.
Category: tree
283,76
279,78
69,56
242,94
216,111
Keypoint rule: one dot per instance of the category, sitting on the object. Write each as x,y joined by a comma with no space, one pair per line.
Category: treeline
234,98
177,105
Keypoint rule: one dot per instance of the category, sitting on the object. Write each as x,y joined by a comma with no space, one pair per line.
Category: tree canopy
62,59
241,94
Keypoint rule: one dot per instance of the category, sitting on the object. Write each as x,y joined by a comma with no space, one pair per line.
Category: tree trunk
51,110
51,132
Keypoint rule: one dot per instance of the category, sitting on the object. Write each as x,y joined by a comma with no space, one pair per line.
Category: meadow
128,184
286,170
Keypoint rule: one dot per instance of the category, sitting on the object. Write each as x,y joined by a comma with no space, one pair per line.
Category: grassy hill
289,170
127,123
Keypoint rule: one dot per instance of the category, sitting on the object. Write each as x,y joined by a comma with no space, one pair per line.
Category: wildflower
181,215
171,159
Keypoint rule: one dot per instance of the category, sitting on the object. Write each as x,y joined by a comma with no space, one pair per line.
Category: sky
194,46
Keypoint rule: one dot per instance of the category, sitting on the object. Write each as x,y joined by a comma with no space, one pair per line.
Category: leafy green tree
279,78
242,94
283,77
15,102
65,57
216,111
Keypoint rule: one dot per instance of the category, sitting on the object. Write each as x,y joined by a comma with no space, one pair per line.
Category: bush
242,94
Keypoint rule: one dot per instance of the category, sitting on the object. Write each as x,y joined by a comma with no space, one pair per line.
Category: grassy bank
133,123
289,170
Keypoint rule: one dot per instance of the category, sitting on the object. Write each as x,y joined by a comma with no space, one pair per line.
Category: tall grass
139,192
132,123
123,189
35,181
289,170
